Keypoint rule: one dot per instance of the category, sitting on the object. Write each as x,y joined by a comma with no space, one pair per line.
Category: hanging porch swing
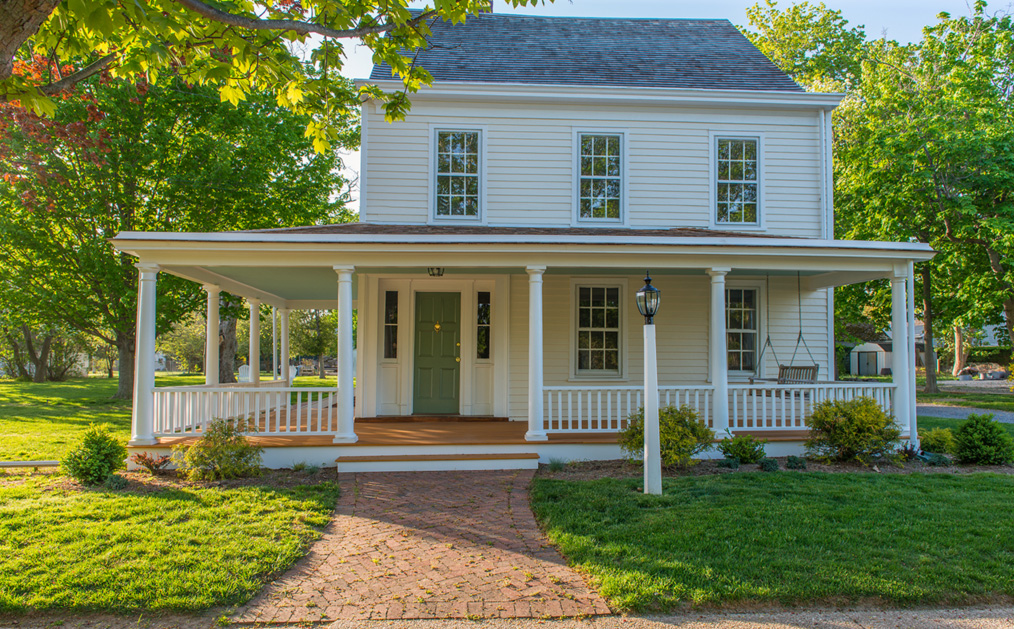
790,373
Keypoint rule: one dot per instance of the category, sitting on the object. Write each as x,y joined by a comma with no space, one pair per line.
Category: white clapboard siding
530,155
681,331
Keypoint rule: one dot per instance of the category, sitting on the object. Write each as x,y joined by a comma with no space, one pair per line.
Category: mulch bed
593,470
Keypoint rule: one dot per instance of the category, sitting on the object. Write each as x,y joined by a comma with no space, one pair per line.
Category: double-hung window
458,172
600,177
737,181
741,323
598,330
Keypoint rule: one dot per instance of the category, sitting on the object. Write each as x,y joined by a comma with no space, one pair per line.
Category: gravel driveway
961,412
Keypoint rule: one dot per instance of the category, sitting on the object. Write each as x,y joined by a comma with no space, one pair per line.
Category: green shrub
769,465
95,457
795,463
937,460
731,463
683,434
746,448
557,465
851,430
938,440
980,440
151,462
115,482
223,452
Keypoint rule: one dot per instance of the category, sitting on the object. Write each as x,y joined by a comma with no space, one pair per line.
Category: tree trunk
960,355
1008,315
227,347
40,359
320,363
929,355
19,360
19,20
125,352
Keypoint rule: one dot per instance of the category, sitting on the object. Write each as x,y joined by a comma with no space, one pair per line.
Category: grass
787,538
929,423
167,549
991,401
42,421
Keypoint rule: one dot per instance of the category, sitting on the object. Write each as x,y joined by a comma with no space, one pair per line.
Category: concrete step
438,462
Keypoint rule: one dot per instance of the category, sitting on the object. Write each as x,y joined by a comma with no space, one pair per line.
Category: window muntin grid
598,329
741,326
457,194
737,184
483,321
391,324
601,182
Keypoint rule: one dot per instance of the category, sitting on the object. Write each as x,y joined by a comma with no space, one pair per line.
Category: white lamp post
647,303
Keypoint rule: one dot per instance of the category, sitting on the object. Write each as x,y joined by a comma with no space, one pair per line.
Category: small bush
769,465
312,469
907,452
731,463
746,448
851,430
115,482
938,440
683,435
980,440
557,465
795,463
299,467
95,457
937,460
150,462
223,452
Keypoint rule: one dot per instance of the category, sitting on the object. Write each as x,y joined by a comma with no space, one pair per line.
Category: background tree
240,48
315,333
184,342
121,157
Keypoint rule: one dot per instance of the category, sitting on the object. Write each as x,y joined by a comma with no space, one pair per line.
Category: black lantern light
647,300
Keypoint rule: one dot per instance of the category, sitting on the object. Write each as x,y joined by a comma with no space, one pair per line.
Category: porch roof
294,267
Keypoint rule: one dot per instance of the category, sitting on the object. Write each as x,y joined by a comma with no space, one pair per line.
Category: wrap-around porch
364,410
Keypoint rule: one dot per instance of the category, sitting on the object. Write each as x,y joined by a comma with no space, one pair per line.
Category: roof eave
476,91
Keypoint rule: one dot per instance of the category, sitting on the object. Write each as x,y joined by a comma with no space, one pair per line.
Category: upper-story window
458,175
737,181
600,177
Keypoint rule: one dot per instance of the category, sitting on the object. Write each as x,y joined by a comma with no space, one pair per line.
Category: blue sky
901,20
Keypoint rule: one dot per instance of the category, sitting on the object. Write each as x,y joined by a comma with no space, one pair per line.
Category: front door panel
437,353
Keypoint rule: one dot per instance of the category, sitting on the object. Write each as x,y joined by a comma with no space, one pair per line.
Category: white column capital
211,289
900,272
535,271
146,268
253,302
344,271
718,272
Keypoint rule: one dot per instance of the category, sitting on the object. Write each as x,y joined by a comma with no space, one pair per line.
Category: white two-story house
505,227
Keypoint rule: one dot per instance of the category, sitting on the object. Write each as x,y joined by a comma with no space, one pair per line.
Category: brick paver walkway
428,545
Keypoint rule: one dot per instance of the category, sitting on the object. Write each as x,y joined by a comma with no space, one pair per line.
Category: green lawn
180,549
992,401
787,538
929,423
42,421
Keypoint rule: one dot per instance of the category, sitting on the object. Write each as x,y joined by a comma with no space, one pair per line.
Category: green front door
437,353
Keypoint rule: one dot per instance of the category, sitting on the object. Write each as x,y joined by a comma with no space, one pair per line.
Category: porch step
438,462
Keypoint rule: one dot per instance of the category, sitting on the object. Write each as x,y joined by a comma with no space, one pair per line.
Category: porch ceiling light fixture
648,299
435,271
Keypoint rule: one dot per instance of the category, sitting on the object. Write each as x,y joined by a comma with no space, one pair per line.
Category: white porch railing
606,409
788,406
571,409
272,410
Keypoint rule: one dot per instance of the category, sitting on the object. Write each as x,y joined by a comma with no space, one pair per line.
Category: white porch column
274,343
283,322
142,415
346,375
718,355
901,353
913,426
536,428
255,339
211,336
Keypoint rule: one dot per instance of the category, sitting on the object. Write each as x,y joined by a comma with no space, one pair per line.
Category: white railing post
536,428
346,391
718,355
211,336
900,350
142,416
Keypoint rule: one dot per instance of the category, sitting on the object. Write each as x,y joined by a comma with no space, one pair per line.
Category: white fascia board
145,240
524,92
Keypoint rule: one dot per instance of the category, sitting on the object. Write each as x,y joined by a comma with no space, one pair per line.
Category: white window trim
713,137
575,219
431,212
484,287
761,287
607,282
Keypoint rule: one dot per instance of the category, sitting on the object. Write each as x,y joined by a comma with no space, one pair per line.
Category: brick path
428,545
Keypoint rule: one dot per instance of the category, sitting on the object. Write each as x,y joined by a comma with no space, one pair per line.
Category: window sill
593,378
746,227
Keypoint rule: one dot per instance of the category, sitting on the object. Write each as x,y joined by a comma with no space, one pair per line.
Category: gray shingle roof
509,48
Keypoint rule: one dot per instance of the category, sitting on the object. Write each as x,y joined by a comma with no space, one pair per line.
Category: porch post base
142,442
352,438
533,435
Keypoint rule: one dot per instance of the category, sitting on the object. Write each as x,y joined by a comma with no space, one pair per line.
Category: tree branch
296,26
71,80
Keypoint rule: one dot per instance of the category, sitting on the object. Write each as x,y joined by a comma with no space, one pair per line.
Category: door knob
457,359
457,344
